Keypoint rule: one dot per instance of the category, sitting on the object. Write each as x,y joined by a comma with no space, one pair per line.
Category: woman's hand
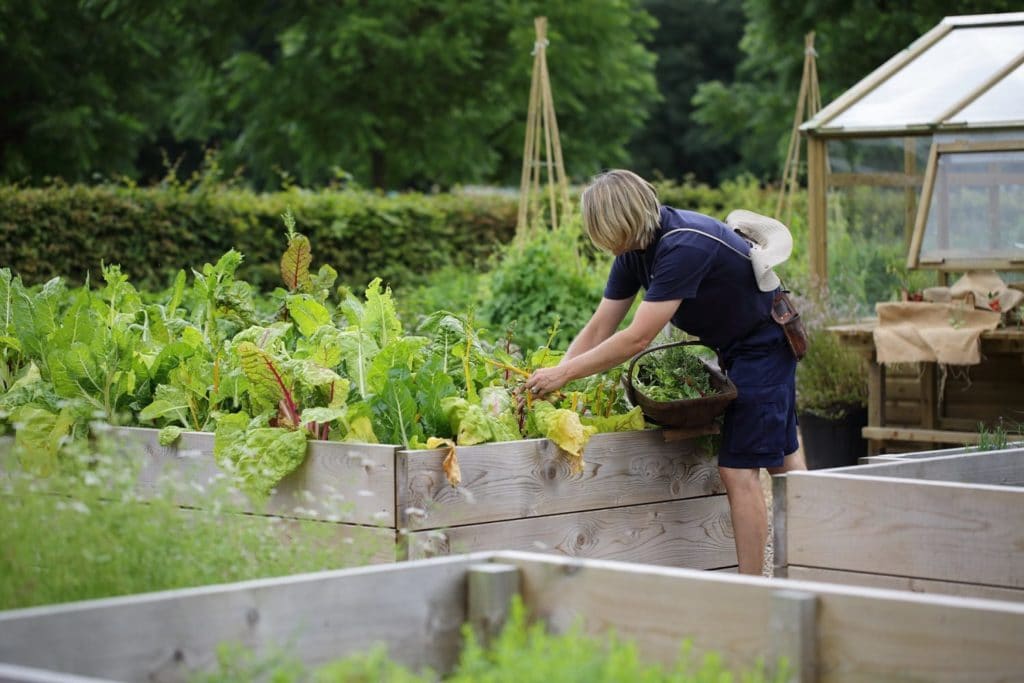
546,380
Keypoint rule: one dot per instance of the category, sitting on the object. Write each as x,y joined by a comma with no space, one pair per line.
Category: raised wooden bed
638,498
949,524
827,633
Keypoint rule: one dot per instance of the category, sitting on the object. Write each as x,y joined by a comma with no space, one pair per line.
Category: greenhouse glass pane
1004,102
867,247
977,208
944,74
876,155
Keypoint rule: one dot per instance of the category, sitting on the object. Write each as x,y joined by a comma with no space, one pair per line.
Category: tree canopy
398,93
754,112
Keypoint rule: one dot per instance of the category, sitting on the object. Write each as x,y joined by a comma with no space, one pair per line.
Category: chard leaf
35,317
9,342
263,373
170,357
564,428
322,415
169,434
358,350
308,314
170,403
323,347
450,464
625,422
260,457
177,294
295,263
358,422
270,338
431,386
394,409
400,353
379,316
38,437
321,283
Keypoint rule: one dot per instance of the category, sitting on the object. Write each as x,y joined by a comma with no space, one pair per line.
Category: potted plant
831,391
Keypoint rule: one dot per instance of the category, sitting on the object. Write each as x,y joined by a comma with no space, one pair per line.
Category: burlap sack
948,333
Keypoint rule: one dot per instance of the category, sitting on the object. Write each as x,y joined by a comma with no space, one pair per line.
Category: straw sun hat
771,244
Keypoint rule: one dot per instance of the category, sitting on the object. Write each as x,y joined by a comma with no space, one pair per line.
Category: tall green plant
546,278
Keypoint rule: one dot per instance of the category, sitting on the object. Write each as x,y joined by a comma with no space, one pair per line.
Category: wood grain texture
863,634
530,478
337,482
415,608
943,531
351,545
693,533
905,583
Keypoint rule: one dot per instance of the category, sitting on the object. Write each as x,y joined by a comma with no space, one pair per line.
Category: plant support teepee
809,99
541,133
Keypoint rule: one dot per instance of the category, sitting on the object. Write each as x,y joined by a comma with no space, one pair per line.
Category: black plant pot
834,442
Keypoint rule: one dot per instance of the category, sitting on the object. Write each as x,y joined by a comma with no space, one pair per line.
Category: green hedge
69,231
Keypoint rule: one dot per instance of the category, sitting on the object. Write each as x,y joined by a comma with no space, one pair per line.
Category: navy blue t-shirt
721,303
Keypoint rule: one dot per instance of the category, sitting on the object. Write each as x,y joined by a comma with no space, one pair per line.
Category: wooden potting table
918,405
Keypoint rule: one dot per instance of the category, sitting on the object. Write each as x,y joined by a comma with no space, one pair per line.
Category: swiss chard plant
313,361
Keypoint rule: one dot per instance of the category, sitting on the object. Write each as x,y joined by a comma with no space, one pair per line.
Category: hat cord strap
710,237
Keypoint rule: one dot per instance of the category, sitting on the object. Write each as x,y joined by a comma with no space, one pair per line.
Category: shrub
70,230
545,280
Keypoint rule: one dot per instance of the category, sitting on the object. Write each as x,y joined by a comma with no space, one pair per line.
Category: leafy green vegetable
259,457
672,373
168,435
564,428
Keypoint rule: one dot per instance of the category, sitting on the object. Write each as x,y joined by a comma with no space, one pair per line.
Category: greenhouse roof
967,72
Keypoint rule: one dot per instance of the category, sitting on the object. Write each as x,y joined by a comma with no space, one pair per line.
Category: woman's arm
604,322
650,318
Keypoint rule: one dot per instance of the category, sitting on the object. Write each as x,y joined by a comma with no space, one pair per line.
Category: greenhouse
923,159
917,172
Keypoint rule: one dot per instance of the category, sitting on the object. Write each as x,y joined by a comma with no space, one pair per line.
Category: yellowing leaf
565,429
450,464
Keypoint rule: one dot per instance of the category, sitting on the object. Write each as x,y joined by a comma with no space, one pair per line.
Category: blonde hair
620,211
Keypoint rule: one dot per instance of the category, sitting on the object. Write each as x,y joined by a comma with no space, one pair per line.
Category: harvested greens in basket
673,373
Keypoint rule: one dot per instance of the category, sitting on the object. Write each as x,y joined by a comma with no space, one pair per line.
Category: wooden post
929,396
780,560
541,130
817,188
794,634
876,401
910,193
490,587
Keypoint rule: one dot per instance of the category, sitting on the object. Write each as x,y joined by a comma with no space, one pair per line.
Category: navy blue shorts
760,425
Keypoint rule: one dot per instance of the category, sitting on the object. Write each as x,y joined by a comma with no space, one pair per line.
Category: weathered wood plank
354,545
338,481
905,583
23,674
998,468
863,634
933,530
530,478
416,608
859,634
920,435
694,533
